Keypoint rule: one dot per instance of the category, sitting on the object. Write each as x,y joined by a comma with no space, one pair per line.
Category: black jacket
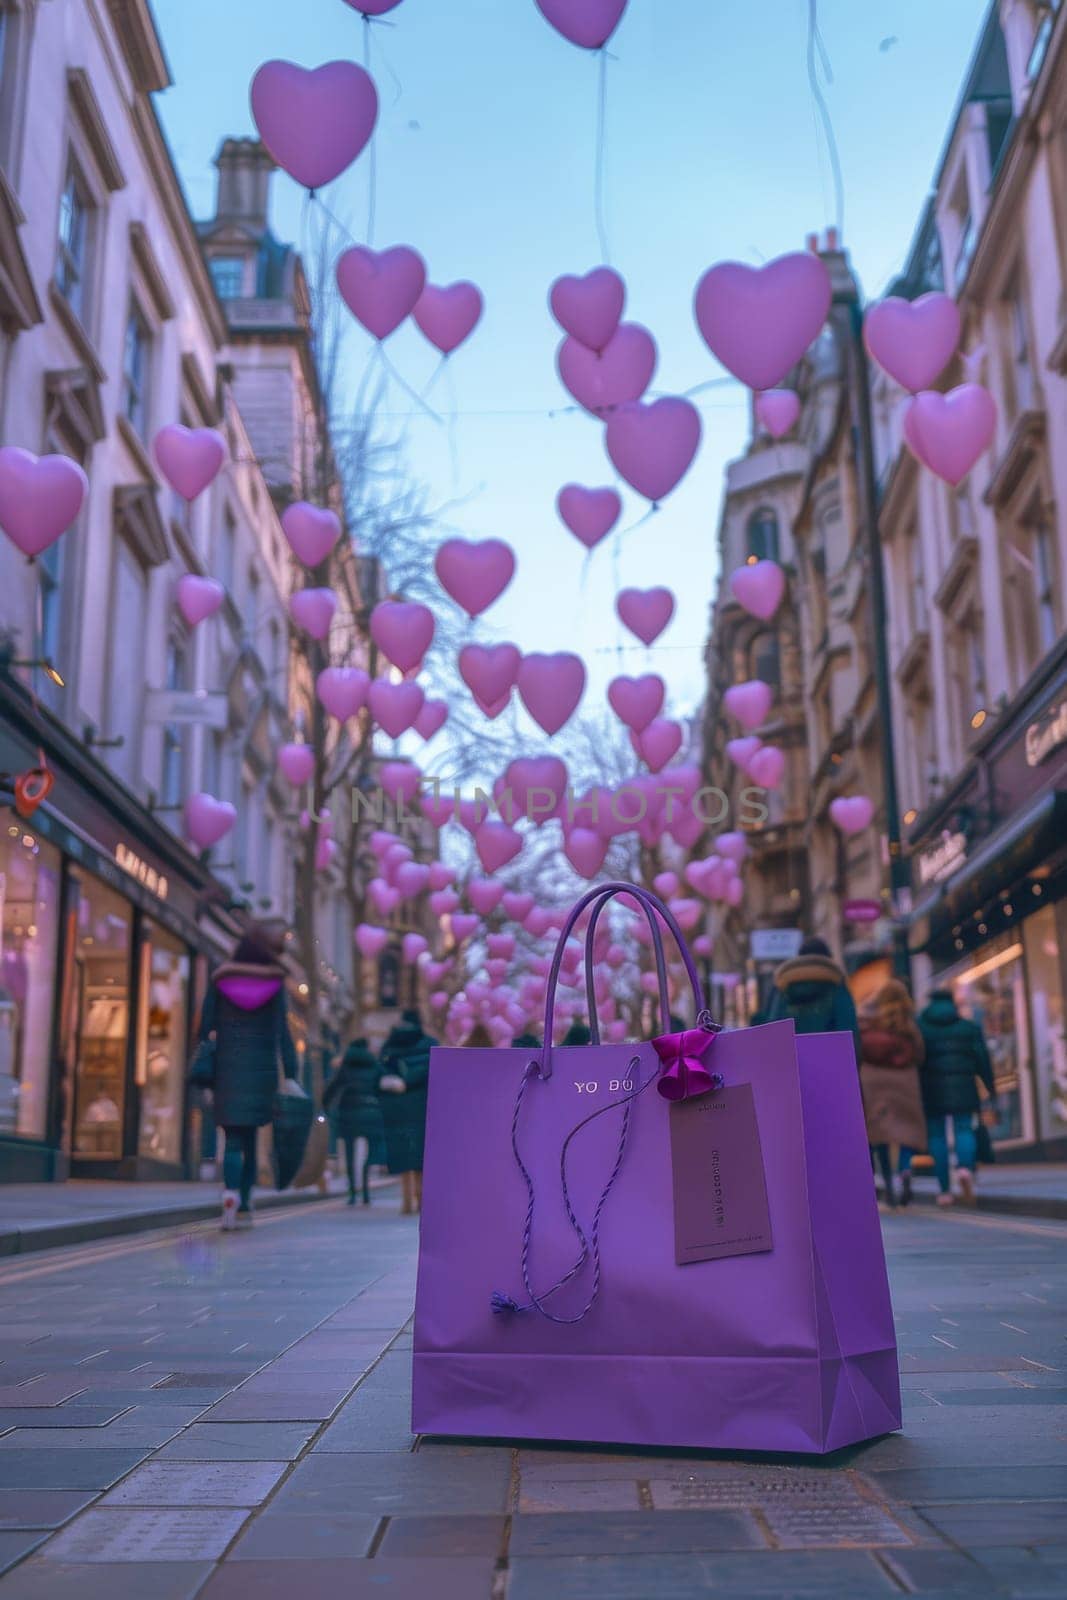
406,1055
812,990
956,1057
247,1010
352,1095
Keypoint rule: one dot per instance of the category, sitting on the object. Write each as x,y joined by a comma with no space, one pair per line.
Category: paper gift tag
720,1190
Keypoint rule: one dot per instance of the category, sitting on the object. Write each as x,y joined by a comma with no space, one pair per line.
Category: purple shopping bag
550,1302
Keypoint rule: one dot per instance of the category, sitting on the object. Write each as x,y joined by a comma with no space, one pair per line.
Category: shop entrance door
102,929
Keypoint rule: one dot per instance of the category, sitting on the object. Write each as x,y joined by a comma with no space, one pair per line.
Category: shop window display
990,988
102,996
162,1047
1043,971
29,921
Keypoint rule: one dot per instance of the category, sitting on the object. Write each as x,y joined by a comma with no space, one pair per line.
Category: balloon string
372,153
411,393
601,154
817,55
453,420
434,375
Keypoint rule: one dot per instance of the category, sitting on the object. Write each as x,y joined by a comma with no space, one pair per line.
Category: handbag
316,1154
201,1074
562,1293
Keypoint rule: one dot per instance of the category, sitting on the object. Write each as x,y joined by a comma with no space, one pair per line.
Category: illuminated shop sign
1048,733
130,862
942,859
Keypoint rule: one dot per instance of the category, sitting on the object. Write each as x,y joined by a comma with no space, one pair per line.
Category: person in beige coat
891,1053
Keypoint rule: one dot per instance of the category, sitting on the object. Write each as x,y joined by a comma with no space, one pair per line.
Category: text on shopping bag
720,1188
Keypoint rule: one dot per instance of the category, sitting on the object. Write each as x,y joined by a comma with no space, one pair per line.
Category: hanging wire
372,153
819,58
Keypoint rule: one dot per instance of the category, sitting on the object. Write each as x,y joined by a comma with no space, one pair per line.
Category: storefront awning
1009,853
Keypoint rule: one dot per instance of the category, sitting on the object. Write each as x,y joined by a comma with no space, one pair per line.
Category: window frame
73,268
137,388
216,263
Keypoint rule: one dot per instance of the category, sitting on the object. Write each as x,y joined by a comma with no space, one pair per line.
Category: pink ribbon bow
684,1075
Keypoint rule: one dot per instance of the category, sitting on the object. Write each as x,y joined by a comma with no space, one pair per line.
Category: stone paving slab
239,1441
96,1468
41,1508
768,1574
455,1579
172,1533
281,1536
15,1546
197,1483
55,1580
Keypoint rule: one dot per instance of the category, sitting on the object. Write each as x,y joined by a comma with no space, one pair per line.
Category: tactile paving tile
178,1533
840,1526
744,1491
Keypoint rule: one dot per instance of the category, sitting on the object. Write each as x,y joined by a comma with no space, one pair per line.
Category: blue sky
485,155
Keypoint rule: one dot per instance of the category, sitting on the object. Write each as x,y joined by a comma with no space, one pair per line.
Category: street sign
775,944
204,707
863,910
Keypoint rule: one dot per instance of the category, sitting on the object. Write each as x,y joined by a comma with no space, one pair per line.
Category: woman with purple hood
246,1014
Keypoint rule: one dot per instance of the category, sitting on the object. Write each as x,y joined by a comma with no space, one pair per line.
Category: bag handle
651,903
657,950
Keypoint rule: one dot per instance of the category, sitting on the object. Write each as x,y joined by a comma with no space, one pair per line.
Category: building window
931,269
389,979
225,566
1047,13
251,607
1045,584
967,669
72,262
1017,328
763,659
275,664
228,275
915,585
50,618
266,881
135,365
129,606
967,246
173,755
762,535
1030,603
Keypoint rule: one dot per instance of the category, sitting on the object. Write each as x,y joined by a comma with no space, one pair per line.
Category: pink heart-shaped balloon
587,23
464,923
741,751
551,687
852,813
777,410
395,854
485,895
496,844
208,820
646,612
448,316
706,877
590,514
489,671
296,763
385,897
652,446
732,846
313,610
749,703
431,719
735,892
704,946
949,432
589,309
394,706
382,840
475,572
686,828
371,941
585,850
915,340
413,945
687,912
411,878
637,701
517,905
471,814
373,8
443,902
343,691
759,321
403,631
537,785
659,743
400,780
622,371
767,767
40,496
501,945
189,458
665,884
381,287
438,809
314,123
759,588
325,852
441,877
199,598
311,532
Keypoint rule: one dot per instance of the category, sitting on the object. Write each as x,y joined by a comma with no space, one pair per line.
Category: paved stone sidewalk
223,1416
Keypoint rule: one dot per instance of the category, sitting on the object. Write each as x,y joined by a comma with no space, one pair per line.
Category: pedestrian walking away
351,1096
891,1053
245,1019
957,1059
811,989
403,1080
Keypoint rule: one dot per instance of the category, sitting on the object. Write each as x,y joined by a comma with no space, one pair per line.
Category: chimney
244,168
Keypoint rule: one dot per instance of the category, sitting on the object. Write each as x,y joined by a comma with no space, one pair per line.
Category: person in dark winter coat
352,1097
526,1041
577,1033
403,1082
479,1038
246,1013
956,1059
811,989
891,1052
